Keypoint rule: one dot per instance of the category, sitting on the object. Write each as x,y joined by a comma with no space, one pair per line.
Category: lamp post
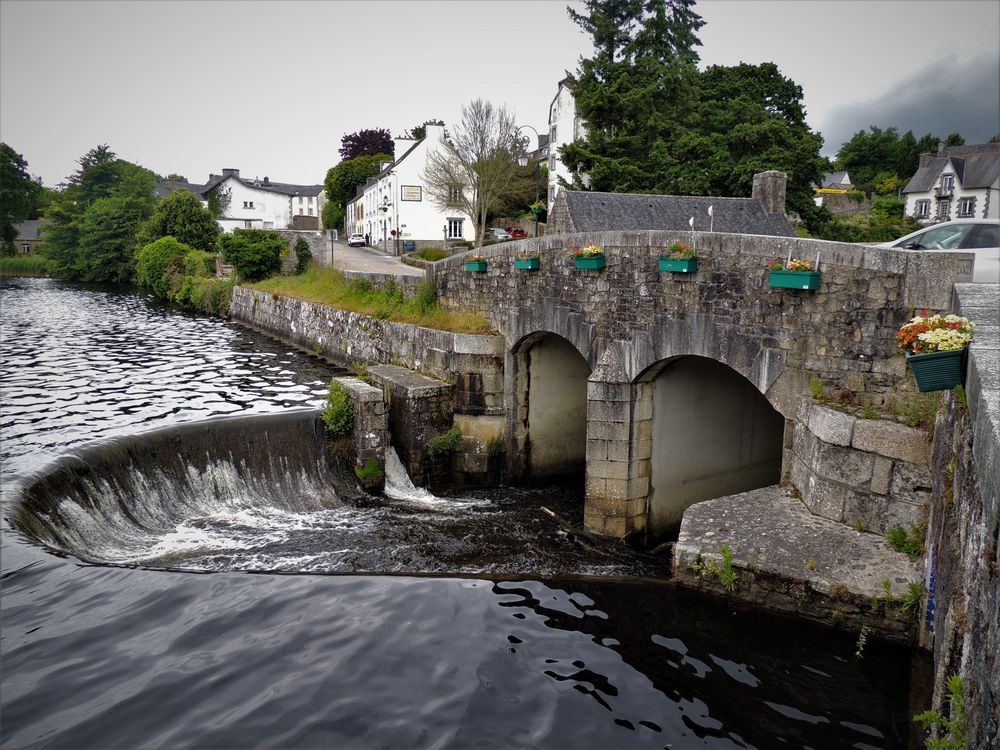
522,161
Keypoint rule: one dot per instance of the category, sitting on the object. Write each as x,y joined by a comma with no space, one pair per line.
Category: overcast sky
271,87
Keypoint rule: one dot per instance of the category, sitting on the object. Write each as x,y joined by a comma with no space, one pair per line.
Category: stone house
395,204
958,182
763,213
29,236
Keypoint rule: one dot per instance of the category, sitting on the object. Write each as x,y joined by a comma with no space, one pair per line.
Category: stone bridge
672,388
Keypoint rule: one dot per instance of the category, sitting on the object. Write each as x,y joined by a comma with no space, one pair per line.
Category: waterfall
398,484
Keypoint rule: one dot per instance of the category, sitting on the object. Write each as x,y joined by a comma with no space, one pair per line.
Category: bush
211,295
338,416
254,253
445,443
303,254
431,254
153,261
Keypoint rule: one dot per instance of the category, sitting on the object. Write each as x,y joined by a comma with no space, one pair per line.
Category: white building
394,204
958,182
262,204
565,126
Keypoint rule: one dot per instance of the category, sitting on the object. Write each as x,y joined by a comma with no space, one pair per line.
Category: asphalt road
370,260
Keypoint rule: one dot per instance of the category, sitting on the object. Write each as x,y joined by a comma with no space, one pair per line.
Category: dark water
526,653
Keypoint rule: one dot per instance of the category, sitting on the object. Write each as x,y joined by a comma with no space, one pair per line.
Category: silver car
356,240
979,236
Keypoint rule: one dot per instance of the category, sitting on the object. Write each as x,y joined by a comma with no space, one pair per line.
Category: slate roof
976,166
594,212
30,230
282,188
163,187
835,180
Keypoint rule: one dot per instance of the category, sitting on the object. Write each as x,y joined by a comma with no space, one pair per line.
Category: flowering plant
934,333
475,257
588,251
795,264
680,251
527,256
537,206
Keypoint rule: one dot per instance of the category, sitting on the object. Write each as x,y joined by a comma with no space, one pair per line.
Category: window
455,229
300,200
311,211
947,182
248,225
944,209
300,211
25,248
922,210
967,207
984,235
939,238
247,204
454,195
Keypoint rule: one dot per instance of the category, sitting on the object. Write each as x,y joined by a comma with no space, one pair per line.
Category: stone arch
549,414
701,429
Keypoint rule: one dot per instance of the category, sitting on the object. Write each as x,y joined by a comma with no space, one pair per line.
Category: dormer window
947,181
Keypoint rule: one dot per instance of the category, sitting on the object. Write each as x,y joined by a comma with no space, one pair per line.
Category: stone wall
841,204
371,432
872,474
318,246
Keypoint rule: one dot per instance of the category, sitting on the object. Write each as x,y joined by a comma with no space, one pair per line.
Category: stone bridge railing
631,315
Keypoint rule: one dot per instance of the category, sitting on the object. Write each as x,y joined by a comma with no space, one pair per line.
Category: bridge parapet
842,334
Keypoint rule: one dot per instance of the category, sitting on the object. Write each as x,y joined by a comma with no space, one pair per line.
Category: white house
395,203
565,126
957,182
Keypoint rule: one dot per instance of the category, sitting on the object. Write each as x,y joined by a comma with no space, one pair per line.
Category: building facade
565,126
394,205
958,182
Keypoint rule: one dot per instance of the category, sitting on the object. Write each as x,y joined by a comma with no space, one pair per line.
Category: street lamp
522,161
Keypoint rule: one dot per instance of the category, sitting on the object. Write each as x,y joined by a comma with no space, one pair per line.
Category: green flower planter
594,262
538,211
795,279
937,371
475,266
674,265
527,264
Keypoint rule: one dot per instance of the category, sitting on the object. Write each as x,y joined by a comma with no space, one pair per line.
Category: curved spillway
183,494
259,493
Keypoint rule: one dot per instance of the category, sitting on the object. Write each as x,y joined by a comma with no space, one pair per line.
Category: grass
431,254
328,286
26,265
911,542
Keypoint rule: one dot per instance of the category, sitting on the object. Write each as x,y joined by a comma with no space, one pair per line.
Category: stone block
831,426
617,490
799,476
804,444
866,511
642,449
638,488
892,440
881,471
824,498
844,465
910,483
643,409
608,411
597,450
618,450
608,469
616,527
608,507
607,431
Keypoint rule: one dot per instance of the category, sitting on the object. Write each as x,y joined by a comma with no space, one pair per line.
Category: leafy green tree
342,182
153,260
474,169
96,218
954,139
219,200
366,143
254,253
303,255
181,215
18,196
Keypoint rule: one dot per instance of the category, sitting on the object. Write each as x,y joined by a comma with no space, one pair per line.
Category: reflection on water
97,657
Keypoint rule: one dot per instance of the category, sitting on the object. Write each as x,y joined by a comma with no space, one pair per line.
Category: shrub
303,254
431,254
445,443
211,295
153,261
370,472
254,253
338,416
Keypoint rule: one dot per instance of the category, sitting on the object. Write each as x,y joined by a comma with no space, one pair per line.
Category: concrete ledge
789,560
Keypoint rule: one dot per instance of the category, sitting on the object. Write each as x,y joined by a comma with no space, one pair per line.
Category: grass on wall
328,286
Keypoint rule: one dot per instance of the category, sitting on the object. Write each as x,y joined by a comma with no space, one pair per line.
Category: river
467,621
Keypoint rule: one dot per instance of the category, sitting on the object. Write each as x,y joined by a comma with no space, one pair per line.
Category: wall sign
410,192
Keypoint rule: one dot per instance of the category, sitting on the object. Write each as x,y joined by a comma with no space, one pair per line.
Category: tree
176,177
219,200
153,260
342,182
96,218
474,168
254,253
366,143
181,215
18,196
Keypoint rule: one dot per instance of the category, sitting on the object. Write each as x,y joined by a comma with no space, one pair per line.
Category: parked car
516,232
356,240
499,233
979,236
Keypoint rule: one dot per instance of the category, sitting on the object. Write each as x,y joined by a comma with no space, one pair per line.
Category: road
370,260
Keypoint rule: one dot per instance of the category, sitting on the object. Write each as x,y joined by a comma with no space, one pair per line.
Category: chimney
769,189
266,180
230,173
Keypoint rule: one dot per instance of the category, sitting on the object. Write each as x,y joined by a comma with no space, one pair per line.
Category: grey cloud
948,96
